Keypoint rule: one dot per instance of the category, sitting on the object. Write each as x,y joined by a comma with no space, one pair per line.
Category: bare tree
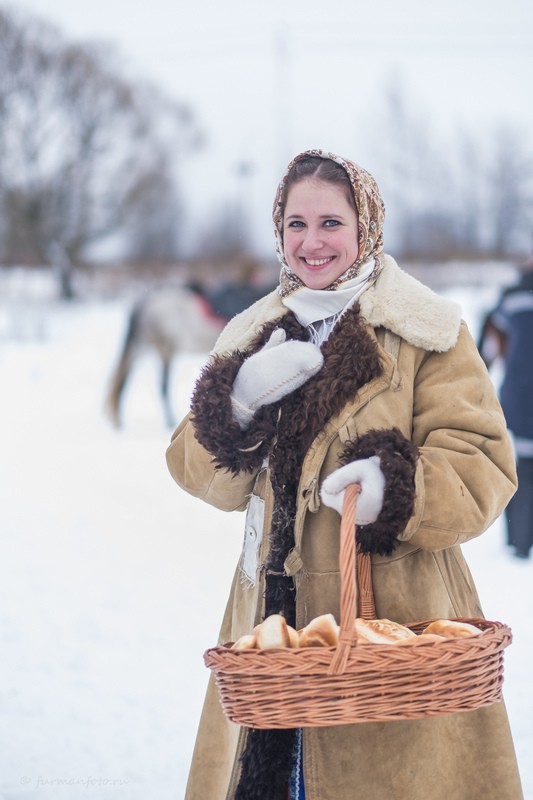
225,237
154,224
469,196
510,191
81,146
416,174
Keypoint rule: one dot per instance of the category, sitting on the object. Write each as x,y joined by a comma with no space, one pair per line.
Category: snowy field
113,580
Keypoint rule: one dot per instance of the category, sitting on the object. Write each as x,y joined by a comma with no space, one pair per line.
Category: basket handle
356,582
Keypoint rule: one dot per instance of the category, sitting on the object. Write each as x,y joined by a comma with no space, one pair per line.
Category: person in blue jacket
507,332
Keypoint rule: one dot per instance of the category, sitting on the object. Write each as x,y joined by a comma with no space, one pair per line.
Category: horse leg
122,370
165,392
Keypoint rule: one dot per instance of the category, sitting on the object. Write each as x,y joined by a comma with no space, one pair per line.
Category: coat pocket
416,584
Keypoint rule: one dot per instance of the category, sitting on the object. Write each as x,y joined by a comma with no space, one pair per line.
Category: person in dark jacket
507,332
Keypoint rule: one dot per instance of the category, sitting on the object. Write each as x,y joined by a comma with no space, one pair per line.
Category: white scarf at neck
313,305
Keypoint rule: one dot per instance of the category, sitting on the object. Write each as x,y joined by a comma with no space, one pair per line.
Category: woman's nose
312,239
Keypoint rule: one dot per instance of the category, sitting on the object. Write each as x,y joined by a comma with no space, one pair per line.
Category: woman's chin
319,277
317,280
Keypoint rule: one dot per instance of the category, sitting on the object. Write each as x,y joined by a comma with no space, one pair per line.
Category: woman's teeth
317,262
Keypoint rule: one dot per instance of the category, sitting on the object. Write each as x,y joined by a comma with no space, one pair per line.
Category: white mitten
276,370
367,473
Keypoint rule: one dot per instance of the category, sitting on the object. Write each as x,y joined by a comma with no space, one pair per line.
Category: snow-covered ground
113,580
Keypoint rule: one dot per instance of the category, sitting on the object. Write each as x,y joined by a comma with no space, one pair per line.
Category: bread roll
273,632
294,638
452,629
246,642
322,631
381,631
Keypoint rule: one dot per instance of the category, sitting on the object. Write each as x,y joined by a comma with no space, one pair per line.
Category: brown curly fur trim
214,426
266,765
351,360
284,431
398,458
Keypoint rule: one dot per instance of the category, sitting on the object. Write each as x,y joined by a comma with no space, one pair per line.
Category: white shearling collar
403,305
397,301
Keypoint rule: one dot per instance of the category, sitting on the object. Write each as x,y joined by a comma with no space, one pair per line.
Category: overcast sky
267,80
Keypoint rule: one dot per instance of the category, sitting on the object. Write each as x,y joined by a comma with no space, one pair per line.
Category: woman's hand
278,369
367,473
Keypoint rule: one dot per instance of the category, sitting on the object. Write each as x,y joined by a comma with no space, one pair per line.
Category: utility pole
282,97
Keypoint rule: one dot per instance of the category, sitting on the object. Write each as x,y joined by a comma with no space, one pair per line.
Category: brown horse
171,320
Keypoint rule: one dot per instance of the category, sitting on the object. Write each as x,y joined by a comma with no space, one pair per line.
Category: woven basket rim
464,648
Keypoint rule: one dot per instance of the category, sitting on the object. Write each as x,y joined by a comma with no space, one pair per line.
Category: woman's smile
317,262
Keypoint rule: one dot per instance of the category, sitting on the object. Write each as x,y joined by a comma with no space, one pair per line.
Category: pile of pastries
323,631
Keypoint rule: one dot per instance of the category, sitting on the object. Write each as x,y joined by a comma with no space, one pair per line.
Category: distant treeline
88,153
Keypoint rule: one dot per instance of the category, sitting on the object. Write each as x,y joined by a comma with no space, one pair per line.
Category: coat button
311,494
293,562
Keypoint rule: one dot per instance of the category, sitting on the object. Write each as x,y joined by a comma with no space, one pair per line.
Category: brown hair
323,169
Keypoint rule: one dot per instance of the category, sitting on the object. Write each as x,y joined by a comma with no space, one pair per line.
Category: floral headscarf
371,213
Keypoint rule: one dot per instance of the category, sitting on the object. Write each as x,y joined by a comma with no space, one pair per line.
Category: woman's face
320,230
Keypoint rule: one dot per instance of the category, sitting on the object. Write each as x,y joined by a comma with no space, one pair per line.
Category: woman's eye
331,223
296,223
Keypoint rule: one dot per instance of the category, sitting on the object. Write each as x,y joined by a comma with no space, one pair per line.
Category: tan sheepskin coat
436,390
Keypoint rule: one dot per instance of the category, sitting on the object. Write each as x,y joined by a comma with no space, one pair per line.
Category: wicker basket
317,686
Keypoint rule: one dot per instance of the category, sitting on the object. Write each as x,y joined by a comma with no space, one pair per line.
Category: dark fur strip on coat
284,431
215,428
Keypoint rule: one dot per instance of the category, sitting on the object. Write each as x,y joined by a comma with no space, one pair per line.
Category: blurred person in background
507,333
351,371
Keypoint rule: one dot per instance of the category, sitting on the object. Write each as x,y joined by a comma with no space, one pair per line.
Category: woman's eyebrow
321,216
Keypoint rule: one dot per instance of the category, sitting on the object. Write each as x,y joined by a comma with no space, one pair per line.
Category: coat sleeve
209,455
193,468
466,473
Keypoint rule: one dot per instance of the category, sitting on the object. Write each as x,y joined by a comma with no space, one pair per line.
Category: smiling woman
328,217
350,372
